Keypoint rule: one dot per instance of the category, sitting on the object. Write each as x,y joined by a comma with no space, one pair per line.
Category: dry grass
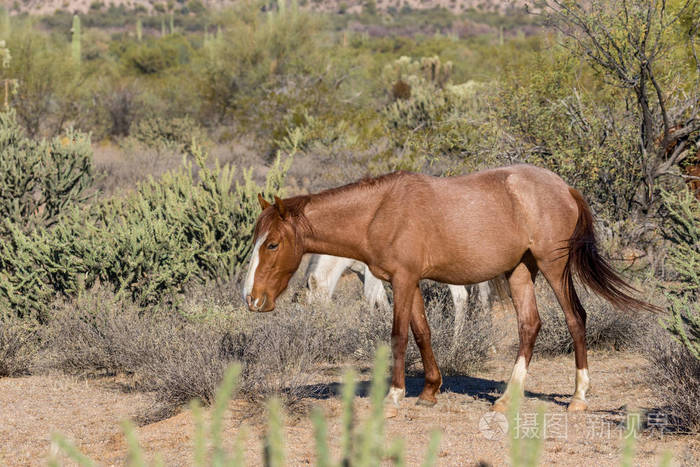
460,348
181,355
675,373
18,346
606,327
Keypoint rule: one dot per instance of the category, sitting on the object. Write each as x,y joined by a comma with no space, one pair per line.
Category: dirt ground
89,412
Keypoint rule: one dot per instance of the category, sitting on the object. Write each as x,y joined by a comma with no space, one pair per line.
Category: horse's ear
281,208
263,204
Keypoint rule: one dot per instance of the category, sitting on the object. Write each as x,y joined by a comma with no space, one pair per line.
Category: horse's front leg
403,302
421,333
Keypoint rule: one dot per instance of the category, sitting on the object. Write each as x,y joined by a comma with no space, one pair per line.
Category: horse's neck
339,223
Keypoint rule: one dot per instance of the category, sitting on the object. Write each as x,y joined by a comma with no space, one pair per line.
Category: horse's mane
296,204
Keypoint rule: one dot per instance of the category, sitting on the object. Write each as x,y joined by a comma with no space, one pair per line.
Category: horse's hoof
395,395
426,402
391,411
577,405
500,406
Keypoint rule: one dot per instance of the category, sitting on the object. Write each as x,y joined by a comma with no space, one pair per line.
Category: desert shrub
175,358
606,327
675,358
675,373
176,134
49,82
182,356
460,347
18,346
257,53
150,244
278,354
584,135
121,101
39,180
154,56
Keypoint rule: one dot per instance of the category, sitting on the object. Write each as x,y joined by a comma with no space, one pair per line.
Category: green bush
184,227
176,134
50,84
155,56
256,53
39,180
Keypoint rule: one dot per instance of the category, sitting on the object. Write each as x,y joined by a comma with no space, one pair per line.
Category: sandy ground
89,412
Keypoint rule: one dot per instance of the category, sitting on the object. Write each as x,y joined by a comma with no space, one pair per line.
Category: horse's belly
475,264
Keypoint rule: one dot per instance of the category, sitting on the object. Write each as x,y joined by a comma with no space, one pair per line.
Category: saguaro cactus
139,30
75,42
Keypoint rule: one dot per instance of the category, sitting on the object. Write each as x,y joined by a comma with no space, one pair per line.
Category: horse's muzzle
259,304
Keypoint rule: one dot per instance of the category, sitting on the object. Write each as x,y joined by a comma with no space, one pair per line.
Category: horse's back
471,228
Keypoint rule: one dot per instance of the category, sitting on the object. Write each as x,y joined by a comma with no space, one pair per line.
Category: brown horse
515,220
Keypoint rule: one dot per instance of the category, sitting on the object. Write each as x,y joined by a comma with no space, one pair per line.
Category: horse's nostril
249,300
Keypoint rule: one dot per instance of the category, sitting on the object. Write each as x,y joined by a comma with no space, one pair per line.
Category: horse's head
276,255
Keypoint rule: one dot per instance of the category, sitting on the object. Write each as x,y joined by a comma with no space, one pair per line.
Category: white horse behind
324,272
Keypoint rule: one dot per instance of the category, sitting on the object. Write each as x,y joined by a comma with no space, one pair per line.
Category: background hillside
351,6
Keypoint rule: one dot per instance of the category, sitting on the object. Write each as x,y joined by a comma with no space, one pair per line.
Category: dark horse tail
592,269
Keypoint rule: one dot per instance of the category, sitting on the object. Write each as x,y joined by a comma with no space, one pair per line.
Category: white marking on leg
519,372
583,383
517,380
254,260
396,394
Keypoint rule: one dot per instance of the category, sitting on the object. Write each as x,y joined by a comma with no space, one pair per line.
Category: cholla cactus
435,71
684,233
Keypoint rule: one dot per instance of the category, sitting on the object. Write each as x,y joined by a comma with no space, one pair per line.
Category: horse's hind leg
522,289
553,271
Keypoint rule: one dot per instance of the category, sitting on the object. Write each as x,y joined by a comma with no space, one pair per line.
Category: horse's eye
272,246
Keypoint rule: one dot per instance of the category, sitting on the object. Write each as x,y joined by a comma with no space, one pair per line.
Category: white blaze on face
254,260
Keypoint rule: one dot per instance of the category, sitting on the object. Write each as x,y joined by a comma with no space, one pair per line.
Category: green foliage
185,227
560,122
39,180
154,56
255,51
684,257
175,134
49,83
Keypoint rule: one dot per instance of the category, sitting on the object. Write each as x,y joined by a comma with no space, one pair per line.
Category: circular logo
493,425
